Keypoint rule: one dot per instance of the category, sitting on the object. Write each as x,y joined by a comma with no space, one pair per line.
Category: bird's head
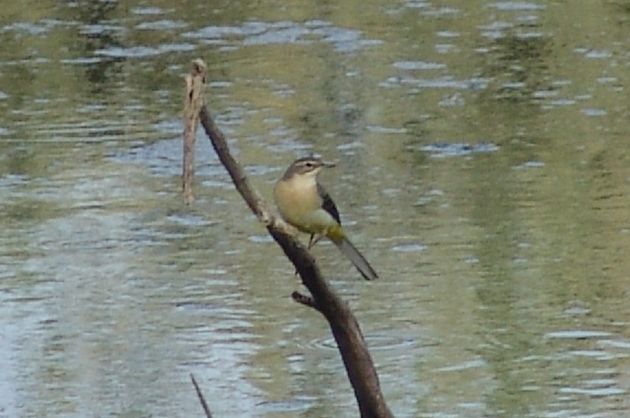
307,166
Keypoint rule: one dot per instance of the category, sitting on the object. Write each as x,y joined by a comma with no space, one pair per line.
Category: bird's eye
308,164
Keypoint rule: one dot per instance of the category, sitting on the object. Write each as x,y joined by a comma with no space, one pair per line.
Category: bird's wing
327,203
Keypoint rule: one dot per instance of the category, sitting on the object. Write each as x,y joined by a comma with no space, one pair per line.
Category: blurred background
483,170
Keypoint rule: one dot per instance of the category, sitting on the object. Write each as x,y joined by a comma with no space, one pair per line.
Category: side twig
304,300
202,400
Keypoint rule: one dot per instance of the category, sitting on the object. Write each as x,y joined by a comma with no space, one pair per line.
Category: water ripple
418,65
515,6
285,32
161,25
144,51
376,341
577,334
441,150
409,248
436,83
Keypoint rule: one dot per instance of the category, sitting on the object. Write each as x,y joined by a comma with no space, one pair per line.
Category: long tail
350,251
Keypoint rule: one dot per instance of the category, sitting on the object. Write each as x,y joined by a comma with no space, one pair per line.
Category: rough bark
194,99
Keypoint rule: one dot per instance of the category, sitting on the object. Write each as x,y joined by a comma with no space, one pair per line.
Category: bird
304,203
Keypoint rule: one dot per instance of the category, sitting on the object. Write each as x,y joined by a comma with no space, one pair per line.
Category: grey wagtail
304,203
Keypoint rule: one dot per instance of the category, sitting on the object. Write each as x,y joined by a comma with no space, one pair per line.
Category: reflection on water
483,169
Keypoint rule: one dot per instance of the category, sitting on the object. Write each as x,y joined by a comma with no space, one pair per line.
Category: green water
483,170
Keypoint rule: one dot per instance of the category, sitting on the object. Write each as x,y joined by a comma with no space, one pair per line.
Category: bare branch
202,400
356,357
252,198
194,100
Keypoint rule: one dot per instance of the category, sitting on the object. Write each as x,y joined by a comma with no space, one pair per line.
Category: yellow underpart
335,233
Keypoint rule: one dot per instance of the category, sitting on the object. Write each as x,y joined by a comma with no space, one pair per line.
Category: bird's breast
301,206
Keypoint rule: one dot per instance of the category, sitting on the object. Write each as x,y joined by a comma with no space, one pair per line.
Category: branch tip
199,67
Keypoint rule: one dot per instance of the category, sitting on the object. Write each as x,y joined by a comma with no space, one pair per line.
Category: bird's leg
311,242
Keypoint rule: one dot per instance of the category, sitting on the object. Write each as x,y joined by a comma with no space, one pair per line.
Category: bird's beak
328,164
